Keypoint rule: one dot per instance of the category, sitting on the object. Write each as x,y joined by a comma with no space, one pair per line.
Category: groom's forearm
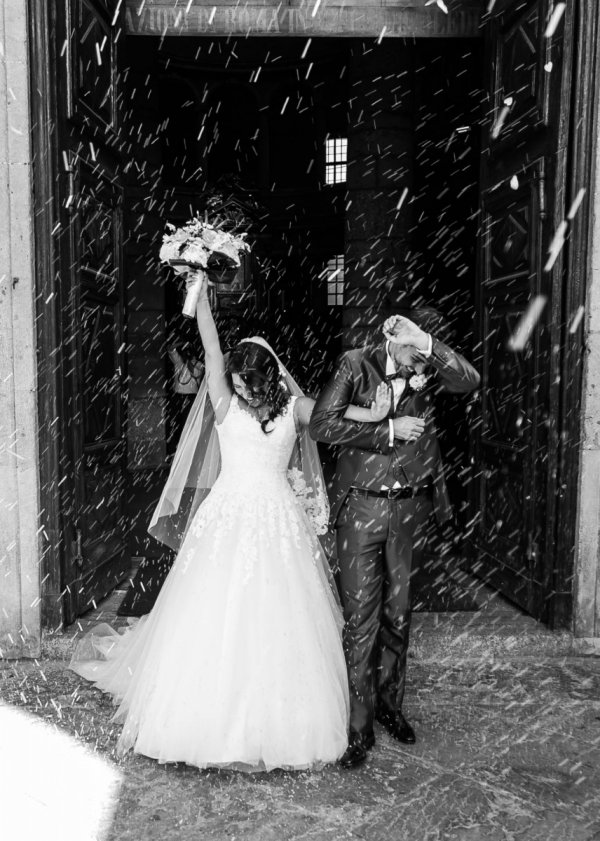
455,373
329,428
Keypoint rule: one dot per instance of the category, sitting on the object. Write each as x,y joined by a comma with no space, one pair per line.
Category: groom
388,488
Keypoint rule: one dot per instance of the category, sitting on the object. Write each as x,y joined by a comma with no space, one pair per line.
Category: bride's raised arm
219,390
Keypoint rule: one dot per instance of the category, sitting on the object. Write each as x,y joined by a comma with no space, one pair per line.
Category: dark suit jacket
366,456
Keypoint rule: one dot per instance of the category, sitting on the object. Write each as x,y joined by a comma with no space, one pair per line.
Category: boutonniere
418,382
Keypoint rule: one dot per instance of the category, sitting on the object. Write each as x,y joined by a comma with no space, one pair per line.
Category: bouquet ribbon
192,295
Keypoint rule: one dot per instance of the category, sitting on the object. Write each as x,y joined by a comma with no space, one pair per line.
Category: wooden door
523,183
90,198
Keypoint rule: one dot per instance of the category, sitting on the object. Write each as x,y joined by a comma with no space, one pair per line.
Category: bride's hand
380,407
193,277
190,276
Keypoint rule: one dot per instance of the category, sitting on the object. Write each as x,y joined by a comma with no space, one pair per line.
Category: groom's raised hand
408,428
402,331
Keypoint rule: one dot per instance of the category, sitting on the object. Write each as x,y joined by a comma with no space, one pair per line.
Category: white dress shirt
398,387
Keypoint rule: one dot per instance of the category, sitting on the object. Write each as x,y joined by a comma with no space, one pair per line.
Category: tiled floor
507,716
497,629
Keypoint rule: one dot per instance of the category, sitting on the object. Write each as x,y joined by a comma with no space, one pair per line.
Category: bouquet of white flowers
205,250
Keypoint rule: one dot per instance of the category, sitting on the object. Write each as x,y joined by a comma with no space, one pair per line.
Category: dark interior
250,117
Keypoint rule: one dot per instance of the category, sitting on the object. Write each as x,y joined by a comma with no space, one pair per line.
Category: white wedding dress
240,663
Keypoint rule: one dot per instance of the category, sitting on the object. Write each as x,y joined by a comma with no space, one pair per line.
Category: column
19,477
587,552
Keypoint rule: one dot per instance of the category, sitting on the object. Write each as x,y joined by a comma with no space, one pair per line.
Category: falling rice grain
116,14
402,198
576,320
498,125
576,204
556,245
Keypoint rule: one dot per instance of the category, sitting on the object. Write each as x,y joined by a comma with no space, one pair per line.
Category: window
336,160
334,273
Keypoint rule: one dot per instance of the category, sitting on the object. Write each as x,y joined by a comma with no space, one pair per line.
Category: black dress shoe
357,749
397,726
355,754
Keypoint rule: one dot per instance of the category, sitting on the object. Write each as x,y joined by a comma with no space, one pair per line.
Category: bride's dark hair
260,372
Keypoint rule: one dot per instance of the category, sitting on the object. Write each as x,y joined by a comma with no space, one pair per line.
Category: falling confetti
526,324
555,19
439,3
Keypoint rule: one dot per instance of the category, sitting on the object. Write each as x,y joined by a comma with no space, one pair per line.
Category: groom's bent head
408,360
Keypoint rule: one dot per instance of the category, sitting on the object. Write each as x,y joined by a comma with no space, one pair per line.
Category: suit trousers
379,542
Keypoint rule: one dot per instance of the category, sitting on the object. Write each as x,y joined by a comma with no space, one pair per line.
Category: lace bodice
249,453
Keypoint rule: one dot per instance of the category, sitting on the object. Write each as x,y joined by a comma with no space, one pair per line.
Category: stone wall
19,544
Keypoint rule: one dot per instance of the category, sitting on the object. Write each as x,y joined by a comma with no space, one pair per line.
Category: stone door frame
581,482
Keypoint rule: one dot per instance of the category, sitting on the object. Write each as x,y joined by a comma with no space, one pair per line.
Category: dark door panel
523,172
90,201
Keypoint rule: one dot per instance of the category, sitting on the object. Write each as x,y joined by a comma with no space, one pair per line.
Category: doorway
424,215
266,124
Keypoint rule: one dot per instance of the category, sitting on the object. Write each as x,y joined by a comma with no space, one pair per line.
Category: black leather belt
404,492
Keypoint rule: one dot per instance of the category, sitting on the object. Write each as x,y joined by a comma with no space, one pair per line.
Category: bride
240,662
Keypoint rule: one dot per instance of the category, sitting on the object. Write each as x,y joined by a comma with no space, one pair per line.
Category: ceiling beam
306,18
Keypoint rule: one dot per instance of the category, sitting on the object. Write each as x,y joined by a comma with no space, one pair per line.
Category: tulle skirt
240,663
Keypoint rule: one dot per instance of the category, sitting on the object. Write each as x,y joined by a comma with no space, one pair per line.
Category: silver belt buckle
403,492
